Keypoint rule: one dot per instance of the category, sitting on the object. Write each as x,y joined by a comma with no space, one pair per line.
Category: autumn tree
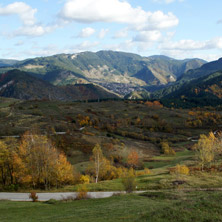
64,170
166,149
133,159
98,160
205,149
7,149
39,162
4,159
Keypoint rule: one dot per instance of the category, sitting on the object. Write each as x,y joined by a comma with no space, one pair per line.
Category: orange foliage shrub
133,159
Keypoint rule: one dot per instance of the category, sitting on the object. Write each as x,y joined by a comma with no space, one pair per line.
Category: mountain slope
202,71
20,85
106,67
7,62
205,91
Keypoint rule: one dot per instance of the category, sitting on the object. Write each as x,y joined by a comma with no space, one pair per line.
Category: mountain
7,62
204,91
104,67
138,95
20,85
204,70
162,69
157,92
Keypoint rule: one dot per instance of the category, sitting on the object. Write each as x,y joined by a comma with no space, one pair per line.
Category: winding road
56,196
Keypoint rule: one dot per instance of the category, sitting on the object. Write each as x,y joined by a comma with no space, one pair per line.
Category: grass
164,161
151,206
166,203
77,145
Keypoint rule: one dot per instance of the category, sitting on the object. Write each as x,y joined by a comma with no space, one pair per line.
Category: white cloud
123,33
83,46
167,1
33,31
89,11
24,11
103,33
188,44
148,36
179,54
27,15
19,43
126,46
86,32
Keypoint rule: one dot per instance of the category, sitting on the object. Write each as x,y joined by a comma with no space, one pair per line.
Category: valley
148,119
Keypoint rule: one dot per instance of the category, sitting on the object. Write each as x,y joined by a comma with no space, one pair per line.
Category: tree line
34,162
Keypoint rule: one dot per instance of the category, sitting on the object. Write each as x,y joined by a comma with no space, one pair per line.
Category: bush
33,196
180,169
84,179
166,149
146,171
129,182
82,192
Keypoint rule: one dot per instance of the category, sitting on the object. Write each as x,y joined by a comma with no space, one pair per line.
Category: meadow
155,206
120,127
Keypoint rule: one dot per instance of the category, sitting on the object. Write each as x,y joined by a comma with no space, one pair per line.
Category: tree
166,149
39,162
133,159
64,170
4,159
205,149
7,149
98,160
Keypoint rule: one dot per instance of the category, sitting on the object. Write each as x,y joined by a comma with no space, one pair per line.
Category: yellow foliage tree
205,149
166,149
98,160
38,161
64,170
102,168
84,179
7,149
181,169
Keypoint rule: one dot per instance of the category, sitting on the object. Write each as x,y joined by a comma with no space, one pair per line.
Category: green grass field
151,206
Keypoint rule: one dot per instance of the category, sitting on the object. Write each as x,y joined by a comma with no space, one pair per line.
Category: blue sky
176,28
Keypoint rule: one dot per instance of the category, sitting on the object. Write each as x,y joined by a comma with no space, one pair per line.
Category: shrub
84,179
82,192
180,169
129,182
166,149
33,196
146,171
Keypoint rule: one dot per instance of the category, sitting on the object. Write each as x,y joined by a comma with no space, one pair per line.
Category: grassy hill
205,91
120,127
20,85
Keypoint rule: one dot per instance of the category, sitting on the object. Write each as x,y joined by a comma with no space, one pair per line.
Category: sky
176,28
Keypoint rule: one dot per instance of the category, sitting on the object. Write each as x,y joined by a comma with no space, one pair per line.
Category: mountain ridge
20,85
106,67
